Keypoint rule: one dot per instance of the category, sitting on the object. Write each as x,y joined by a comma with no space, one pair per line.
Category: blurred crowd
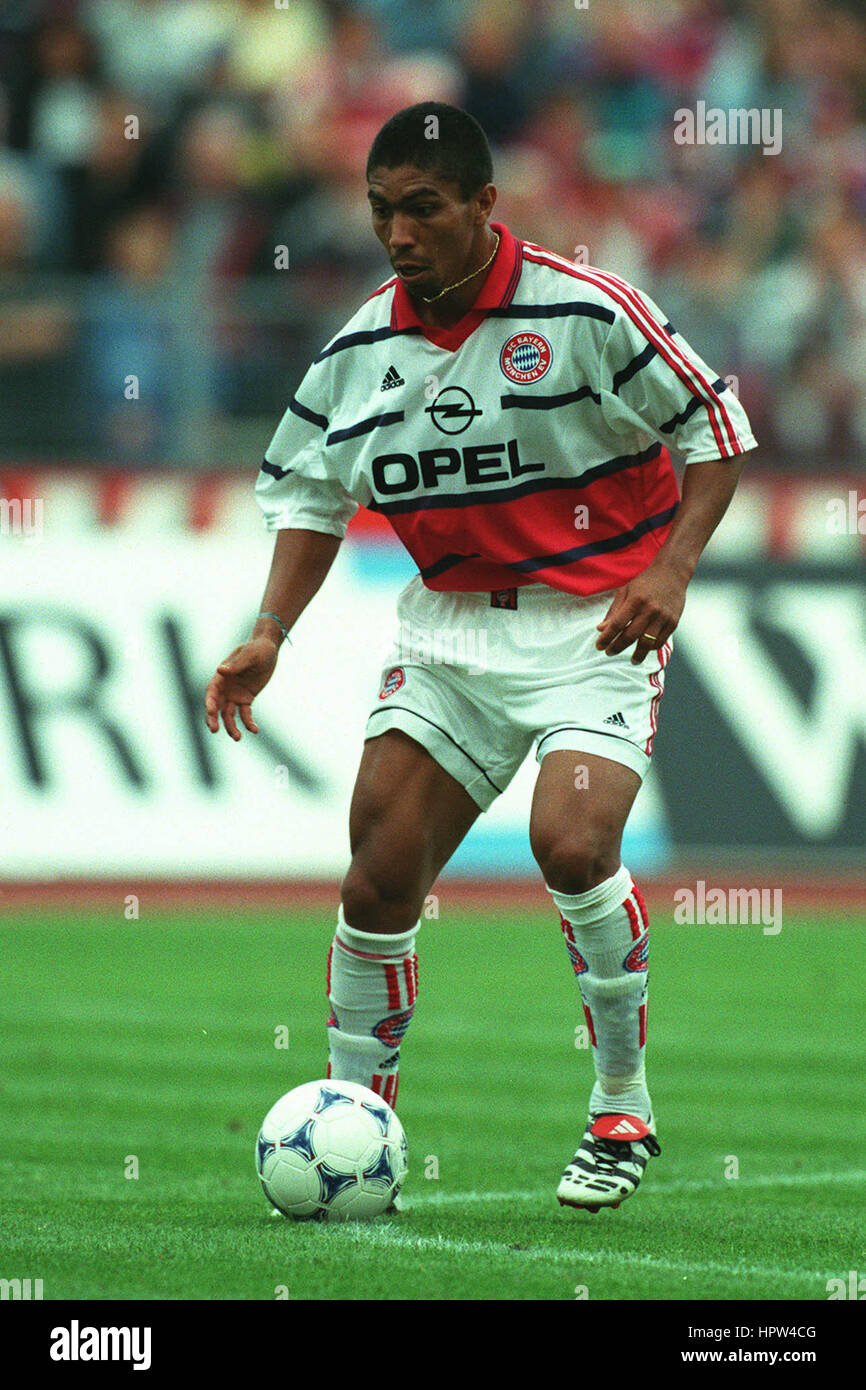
155,155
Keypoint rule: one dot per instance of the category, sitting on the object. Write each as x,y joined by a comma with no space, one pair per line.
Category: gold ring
649,637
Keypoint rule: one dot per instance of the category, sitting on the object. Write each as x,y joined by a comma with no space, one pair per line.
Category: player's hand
650,603
236,683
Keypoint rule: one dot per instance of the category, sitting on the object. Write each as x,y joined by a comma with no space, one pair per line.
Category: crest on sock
392,1030
638,957
578,963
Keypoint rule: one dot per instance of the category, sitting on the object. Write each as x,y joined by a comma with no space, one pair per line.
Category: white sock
606,933
372,987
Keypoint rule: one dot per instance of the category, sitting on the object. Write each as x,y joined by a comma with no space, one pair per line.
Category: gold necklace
432,299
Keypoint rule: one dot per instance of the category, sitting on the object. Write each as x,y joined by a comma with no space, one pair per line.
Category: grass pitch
148,1047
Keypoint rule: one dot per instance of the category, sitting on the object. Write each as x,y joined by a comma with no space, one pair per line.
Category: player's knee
574,865
372,903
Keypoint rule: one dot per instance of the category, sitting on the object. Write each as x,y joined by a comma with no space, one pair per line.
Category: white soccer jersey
526,444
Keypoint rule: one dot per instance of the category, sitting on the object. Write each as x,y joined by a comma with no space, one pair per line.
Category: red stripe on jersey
661,337
639,899
393,982
389,284
632,918
496,534
629,300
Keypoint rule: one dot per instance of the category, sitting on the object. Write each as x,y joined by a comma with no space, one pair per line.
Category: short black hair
454,145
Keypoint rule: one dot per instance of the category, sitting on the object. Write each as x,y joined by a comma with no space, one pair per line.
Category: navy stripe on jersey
274,470
447,562
562,557
577,552
627,297
673,355
311,417
549,402
570,308
391,417
362,339
508,494
694,404
633,367
641,360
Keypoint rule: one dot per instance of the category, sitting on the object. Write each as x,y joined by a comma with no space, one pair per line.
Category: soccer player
510,413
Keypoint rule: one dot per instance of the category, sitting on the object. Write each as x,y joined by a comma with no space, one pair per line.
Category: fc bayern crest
394,679
525,357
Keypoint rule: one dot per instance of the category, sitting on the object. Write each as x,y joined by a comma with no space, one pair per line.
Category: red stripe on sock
589,1023
641,1041
632,918
328,1072
393,981
410,981
363,955
415,969
328,970
639,899
376,1084
390,1092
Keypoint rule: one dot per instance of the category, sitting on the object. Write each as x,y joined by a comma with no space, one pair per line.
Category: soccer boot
609,1163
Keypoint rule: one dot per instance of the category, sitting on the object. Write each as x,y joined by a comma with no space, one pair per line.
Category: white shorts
476,685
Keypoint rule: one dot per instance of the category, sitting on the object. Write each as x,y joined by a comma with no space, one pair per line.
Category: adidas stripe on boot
609,1163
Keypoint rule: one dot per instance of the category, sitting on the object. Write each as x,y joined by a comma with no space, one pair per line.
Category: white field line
650,1189
575,1258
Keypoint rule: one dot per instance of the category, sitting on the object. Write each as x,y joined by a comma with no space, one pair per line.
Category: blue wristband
280,624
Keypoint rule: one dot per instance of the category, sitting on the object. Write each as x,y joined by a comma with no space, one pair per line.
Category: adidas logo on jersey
391,378
616,719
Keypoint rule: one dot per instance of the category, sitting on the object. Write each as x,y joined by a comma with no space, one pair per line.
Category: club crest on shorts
394,679
525,357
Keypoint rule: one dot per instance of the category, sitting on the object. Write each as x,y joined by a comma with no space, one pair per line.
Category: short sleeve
652,379
294,487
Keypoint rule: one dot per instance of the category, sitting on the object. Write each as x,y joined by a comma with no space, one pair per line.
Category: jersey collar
496,292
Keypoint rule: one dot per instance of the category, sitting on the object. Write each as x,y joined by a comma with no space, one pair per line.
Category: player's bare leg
579,812
407,818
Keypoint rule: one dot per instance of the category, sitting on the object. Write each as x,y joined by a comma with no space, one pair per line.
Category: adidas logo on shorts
616,719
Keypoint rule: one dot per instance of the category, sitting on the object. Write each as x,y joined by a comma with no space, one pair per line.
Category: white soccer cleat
609,1163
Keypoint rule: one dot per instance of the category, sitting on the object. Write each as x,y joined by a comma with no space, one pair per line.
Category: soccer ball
331,1151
